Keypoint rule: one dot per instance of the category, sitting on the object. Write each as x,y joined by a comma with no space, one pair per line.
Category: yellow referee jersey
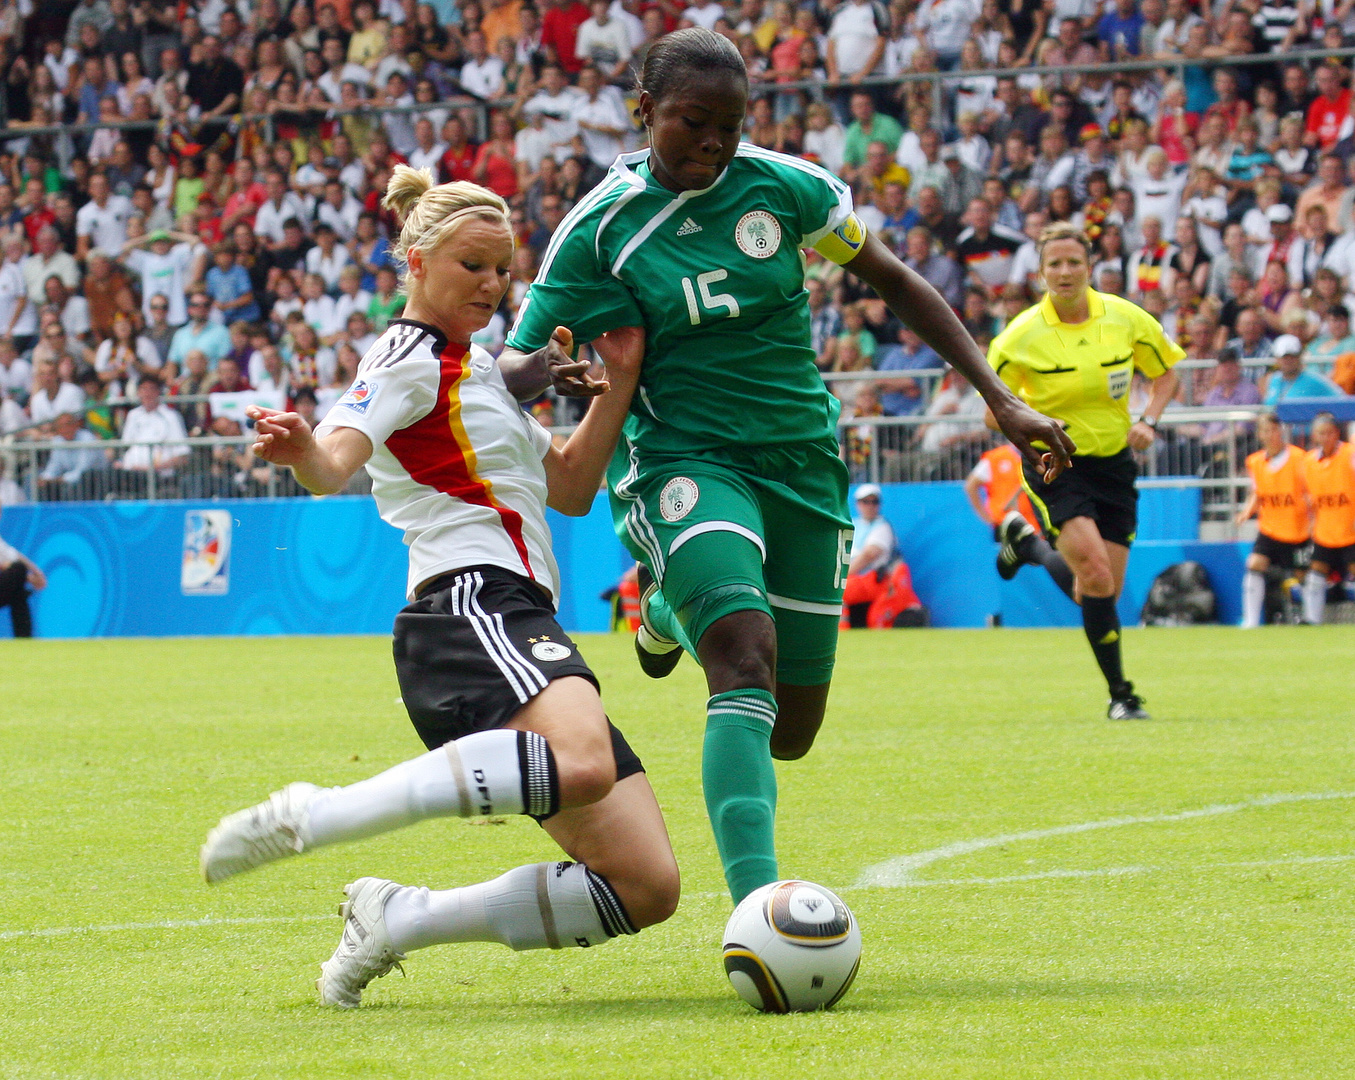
1079,373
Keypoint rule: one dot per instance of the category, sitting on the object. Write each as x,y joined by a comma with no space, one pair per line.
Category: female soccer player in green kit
727,485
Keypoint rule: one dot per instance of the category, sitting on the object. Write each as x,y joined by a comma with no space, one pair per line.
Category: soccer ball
792,946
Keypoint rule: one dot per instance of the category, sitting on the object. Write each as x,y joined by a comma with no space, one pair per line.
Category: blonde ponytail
431,213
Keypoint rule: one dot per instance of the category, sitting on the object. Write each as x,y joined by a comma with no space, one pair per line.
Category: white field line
1122,871
901,870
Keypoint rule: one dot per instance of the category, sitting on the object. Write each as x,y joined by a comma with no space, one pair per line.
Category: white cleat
261,834
365,951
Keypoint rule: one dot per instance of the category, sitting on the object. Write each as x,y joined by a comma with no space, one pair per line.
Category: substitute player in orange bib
1329,475
1279,501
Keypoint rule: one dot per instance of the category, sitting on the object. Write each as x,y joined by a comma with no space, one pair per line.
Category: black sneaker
1014,530
1127,705
657,654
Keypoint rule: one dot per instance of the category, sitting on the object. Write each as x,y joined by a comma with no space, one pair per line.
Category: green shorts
733,529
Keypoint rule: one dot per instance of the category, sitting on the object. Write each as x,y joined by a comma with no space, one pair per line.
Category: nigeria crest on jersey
758,234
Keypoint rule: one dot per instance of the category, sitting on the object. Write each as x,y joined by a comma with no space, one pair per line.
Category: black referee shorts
1278,552
478,645
1100,488
1341,559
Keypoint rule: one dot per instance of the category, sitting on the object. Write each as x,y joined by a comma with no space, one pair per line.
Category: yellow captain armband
844,243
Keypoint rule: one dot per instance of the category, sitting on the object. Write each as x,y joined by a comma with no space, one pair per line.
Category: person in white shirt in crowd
482,72
825,138
72,307
600,116
534,143
125,356
47,260
328,257
399,126
359,333
12,414
74,461
280,206
352,296
1158,194
557,101
317,307
874,544
18,573
16,373
703,13
51,397
156,429
944,25
955,398
397,46
604,42
339,210
339,70
427,152
268,372
18,315
856,41
101,222
162,259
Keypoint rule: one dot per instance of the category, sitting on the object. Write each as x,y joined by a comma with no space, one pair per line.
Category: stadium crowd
233,242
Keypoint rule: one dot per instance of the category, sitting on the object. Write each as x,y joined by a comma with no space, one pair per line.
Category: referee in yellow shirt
1072,356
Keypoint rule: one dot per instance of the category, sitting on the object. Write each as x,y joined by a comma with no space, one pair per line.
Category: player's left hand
1025,427
1141,436
36,577
569,376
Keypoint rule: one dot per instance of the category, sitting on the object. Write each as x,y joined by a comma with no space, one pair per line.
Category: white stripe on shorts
717,526
786,602
530,673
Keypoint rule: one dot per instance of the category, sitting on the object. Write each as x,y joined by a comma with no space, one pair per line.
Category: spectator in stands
74,464
1335,337
51,394
157,432
16,374
940,271
1290,380
199,332
48,261
905,396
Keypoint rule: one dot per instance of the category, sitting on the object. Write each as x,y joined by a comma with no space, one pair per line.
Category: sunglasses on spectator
159,307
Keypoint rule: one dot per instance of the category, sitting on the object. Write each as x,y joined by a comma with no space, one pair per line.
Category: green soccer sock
740,786
665,621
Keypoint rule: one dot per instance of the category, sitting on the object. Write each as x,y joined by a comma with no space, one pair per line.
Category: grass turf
1210,945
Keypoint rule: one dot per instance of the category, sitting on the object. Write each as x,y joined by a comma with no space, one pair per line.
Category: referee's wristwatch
1151,421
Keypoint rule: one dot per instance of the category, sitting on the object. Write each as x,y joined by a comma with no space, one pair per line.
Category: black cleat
657,654
1127,705
1014,531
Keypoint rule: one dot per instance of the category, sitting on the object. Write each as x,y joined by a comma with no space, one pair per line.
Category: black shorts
476,647
1280,554
1341,559
1100,488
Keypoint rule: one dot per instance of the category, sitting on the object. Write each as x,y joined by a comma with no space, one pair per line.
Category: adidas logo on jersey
688,227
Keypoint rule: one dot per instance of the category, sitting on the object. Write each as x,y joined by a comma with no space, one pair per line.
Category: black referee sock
1036,549
1102,625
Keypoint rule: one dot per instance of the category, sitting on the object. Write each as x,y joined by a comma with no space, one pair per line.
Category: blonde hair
1063,230
432,213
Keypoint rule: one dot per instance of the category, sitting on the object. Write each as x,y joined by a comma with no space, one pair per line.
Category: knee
739,652
1095,579
655,899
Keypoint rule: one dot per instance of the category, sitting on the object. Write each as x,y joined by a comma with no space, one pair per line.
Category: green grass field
1056,895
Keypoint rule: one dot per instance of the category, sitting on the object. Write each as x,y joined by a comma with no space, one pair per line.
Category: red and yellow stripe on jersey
436,450
1331,490
1281,509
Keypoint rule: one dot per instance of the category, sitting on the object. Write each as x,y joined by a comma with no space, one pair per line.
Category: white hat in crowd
1279,212
1287,345
865,491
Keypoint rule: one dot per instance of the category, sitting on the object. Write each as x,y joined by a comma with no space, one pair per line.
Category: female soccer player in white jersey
508,709
728,487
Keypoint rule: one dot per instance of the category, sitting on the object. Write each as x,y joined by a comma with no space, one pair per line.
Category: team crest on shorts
549,651
678,497
758,234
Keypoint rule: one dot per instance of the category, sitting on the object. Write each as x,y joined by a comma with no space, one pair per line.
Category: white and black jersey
455,461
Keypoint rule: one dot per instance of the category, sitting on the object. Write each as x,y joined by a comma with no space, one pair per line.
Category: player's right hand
281,438
1025,427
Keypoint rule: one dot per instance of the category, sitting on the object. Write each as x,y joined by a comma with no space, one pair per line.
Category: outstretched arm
322,466
574,472
913,300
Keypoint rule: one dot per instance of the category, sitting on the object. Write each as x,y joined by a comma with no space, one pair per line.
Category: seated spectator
157,432
193,382
230,288
200,333
327,258
959,399
941,272
879,592
220,471
905,396
124,356
1335,337
46,261
16,373
74,465
1229,388
1289,379
51,395
387,300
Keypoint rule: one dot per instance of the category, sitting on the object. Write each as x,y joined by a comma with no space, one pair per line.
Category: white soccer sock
542,906
1253,598
1314,597
479,774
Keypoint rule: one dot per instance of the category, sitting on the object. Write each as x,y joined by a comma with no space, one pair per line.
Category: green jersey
716,279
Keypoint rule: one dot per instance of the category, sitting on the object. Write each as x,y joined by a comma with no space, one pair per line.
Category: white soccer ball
792,946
